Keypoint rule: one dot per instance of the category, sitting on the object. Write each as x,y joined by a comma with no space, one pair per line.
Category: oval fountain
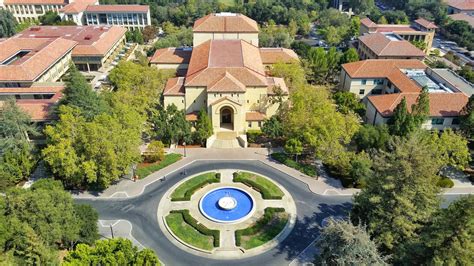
227,205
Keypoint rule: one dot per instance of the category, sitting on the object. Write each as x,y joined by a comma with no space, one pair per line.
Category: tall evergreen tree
402,122
467,118
15,126
401,194
203,127
421,109
342,243
7,24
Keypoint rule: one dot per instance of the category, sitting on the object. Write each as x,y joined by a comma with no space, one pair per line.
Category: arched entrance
227,118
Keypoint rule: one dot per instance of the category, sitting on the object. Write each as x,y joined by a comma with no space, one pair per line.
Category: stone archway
226,118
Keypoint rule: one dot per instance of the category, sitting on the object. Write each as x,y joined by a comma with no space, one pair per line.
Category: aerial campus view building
225,73
82,12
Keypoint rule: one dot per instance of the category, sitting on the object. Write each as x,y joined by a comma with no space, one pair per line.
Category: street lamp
184,144
134,168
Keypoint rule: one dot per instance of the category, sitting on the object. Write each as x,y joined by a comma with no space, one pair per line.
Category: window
259,123
455,121
361,92
258,101
437,121
248,101
379,81
182,101
215,94
250,124
376,91
364,82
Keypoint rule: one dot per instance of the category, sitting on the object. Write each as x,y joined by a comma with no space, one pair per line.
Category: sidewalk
323,185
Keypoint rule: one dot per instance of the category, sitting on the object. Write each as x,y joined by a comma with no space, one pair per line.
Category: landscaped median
144,170
267,188
188,230
184,191
265,229
283,158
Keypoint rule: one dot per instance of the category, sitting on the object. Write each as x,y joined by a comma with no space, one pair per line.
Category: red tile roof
426,23
174,87
227,83
225,22
368,22
380,68
462,4
171,56
42,54
441,104
254,116
34,89
465,17
274,55
193,116
92,40
383,46
77,6
118,8
212,59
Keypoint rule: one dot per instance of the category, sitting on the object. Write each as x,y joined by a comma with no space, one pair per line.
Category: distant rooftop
423,80
390,45
118,8
225,22
455,80
461,4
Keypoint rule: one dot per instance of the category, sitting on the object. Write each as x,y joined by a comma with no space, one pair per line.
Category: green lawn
227,2
185,190
266,187
267,228
187,233
145,170
308,170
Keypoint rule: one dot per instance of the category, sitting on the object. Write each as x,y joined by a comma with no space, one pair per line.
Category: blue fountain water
226,205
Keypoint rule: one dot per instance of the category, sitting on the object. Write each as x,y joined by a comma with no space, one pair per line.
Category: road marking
304,250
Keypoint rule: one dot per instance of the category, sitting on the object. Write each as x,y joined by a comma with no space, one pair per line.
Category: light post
184,144
134,168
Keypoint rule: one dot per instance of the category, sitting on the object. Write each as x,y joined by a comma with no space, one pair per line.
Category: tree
155,151
138,86
50,18
78,93
467,118
402,122
204,127
350,55
98,152
294,146
361,169
272,127
451,148
324,65
362,6
134,36
170,125
325,131
292,72
421,109
467,73
401,195
36,222
301,48
348,102
447,239
117,251
342,243
372,137
16,165
149,33
292,28
7,24
419,44
15,127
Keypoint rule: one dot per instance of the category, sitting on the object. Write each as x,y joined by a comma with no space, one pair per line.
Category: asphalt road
141,211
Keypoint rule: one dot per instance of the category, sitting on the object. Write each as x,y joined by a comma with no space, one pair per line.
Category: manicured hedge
145,171
253,135
286,160
201,228
193,184
445,183
268,189
259,225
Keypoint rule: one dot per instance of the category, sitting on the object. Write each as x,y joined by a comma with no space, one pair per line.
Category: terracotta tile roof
383,46
426,23
368,22
171,56
39,110
92,40
276,82
174,87
34,89
254,116
42,54
225,22
39,2
118,8
193,116
380,68
274,55
212,59
441,104
403,82
462,4
396,28
227,83
77,6
465,17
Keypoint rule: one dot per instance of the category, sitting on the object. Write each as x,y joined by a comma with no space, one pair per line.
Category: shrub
201,228
260,187
148,170
190,191
304,168
445,183
154,152
253,135
267,217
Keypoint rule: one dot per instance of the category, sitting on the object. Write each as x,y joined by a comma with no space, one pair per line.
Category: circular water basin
227,205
